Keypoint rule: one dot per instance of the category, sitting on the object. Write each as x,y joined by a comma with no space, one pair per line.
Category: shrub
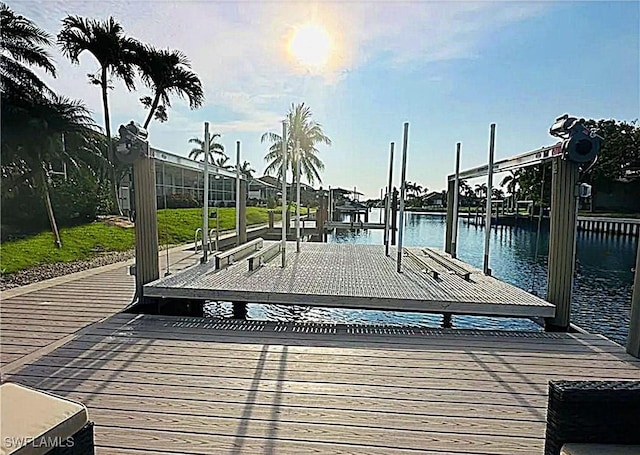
178,201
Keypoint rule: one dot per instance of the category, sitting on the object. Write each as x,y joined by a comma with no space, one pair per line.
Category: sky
448,68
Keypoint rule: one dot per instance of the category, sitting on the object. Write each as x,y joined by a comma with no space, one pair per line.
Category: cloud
239,48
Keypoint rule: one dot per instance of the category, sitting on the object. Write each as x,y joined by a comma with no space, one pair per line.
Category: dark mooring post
239,310
562,241
394,216
448,236
633,340
146,223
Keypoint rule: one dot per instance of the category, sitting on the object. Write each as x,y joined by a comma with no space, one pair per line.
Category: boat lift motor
132,143
579,143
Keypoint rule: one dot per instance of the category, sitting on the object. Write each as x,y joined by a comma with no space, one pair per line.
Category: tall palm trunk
44,187
107,128
154,106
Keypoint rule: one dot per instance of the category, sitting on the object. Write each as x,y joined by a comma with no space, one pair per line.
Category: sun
310,45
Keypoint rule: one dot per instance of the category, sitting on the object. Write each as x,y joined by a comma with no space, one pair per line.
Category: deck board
41,314
187,385
354,276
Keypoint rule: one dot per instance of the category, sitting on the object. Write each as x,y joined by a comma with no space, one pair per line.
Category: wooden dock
355,276
169,385
41,316
346,225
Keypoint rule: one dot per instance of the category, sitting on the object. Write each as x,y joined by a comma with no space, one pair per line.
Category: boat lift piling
403,191
297,171
388,201
633,340
456,192
284,194
578,145
487,233
238,193
205,205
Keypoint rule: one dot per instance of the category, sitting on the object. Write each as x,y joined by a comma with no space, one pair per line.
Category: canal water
602,288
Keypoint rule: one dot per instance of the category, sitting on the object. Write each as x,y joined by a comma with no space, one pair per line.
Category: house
261,191
434,199
307,192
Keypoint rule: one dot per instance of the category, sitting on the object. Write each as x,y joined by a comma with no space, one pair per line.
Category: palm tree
22,44
512,182
497,193
32,131
413,189
223,162
246,170
167,72
215,148
301,130
481,191
116,55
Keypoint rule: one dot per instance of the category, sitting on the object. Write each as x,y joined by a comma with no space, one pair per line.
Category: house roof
343,191
261,182
276,183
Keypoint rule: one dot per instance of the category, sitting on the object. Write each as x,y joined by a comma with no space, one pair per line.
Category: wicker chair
598,412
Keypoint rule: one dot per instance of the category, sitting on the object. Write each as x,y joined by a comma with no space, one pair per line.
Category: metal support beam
403,192
387,207
237,193
515,162
205,197
633,340
456,191
487,224
562,241
297,196
449,220
285,228
242,220
394,216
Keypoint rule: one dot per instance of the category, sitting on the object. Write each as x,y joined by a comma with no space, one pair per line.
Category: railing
216,241
607,225
195,239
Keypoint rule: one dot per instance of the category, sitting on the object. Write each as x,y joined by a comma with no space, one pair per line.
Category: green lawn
175,226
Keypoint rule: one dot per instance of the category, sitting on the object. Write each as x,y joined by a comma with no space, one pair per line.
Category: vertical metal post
633,340
237,193
284,193
164,187
403,191
330,204
387,215
205,192
217,229
456,191
448,235
487,224
394,216
297,196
